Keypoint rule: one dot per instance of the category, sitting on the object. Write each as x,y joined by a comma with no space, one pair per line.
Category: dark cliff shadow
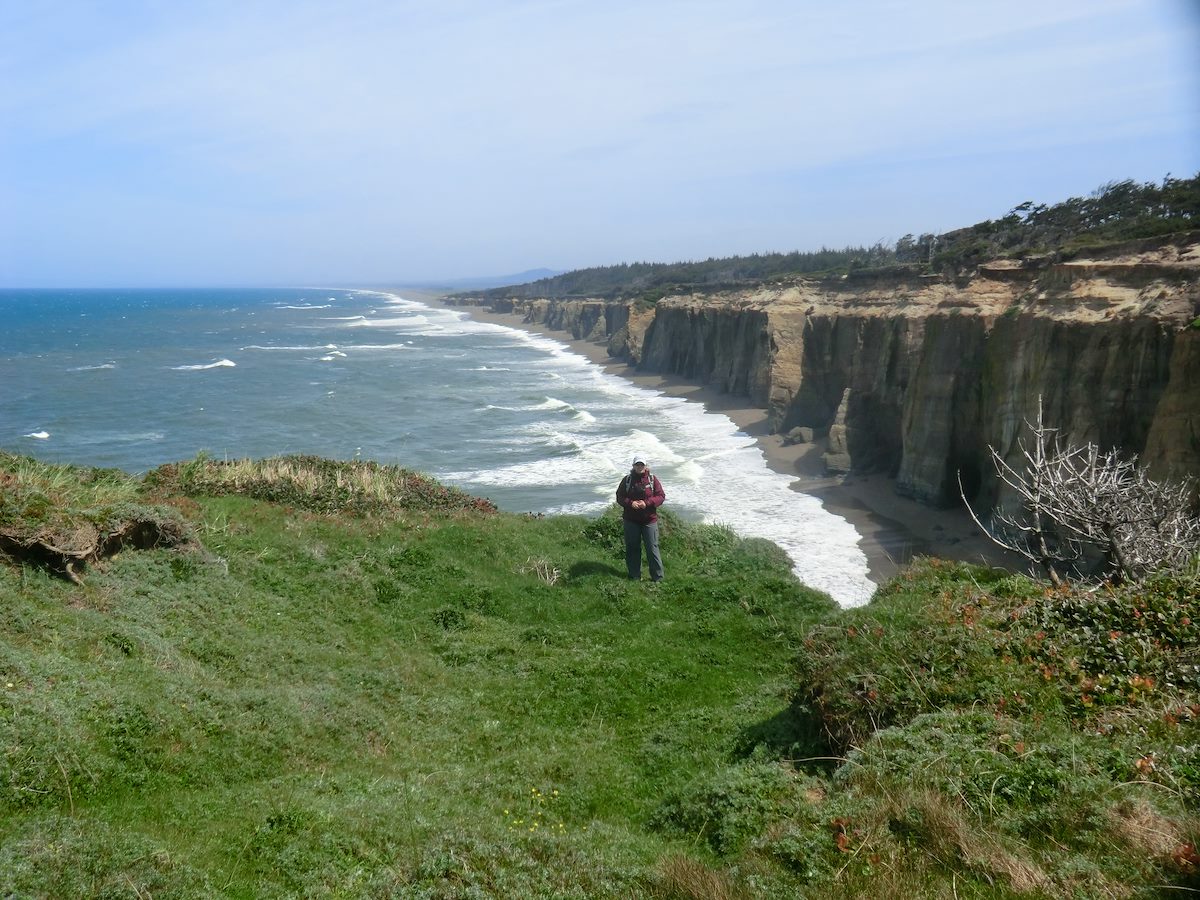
584,569
793,734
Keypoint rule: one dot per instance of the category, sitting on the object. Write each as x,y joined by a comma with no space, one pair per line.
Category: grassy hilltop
306,678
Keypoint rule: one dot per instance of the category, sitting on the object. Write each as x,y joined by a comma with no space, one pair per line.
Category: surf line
846,572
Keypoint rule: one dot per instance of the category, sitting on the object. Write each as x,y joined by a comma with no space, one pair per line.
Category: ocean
132,379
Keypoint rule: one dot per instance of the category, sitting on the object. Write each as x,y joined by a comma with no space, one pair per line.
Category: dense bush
649,282
1114,644
1117,211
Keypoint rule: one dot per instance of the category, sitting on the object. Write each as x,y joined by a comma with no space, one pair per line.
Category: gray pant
637,534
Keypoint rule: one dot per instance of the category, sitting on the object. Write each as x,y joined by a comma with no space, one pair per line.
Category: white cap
638,458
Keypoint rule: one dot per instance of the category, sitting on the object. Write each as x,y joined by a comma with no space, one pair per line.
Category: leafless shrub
542,568
1078,501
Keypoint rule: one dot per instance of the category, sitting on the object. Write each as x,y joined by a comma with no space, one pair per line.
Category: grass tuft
64,519
685,878
314,483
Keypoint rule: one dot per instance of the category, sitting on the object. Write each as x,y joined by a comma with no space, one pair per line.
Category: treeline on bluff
1117,211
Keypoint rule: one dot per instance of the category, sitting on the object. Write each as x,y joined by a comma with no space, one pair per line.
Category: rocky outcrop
918,376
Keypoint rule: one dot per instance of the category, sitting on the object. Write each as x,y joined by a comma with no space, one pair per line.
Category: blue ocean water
136,378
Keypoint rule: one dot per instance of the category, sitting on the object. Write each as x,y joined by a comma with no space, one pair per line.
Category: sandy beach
894,529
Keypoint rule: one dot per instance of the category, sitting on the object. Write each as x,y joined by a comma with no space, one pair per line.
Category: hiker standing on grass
640,495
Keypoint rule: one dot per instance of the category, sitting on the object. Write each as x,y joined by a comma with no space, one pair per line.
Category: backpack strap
625,482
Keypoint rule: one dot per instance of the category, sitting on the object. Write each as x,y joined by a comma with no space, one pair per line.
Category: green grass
336,705
40,496
439,700
317,484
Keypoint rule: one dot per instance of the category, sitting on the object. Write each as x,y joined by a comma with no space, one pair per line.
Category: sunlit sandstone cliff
917,376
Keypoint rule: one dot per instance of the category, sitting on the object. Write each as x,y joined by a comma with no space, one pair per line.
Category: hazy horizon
374,143
335,284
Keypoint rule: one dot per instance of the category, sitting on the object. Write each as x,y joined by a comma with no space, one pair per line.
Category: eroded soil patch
69,551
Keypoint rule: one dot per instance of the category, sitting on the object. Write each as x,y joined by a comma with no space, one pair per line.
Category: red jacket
646,488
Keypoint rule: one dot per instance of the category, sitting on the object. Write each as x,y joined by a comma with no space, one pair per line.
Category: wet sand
894,529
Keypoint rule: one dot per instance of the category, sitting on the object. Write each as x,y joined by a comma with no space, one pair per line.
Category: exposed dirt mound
68,551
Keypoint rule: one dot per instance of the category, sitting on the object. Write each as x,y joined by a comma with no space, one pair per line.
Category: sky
295,142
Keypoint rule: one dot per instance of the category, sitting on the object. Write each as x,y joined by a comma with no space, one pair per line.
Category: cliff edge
917,375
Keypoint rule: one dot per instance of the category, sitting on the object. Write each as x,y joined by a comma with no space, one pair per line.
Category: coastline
893,529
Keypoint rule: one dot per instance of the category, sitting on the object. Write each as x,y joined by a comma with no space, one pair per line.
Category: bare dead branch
1075,501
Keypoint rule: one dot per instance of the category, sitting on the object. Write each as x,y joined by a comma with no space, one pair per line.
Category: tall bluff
917,376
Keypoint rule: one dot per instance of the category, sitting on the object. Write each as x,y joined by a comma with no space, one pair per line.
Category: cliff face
917,376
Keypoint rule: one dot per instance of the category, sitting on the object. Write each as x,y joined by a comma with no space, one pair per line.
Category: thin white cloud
280,117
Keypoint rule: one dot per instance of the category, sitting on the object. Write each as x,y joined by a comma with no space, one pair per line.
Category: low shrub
728,812
1114,645
929,641
314,483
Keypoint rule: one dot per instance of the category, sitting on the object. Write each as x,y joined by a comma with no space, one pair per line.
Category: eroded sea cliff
916,376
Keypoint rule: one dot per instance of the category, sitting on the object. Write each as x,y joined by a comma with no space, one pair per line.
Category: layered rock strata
919,376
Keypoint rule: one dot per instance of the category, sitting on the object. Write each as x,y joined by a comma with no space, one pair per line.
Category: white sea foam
414,323
582,508
109,365
316,306
217,364
557,472
38,435
342,318
733,488
553,436
514,442
705,461
648,445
